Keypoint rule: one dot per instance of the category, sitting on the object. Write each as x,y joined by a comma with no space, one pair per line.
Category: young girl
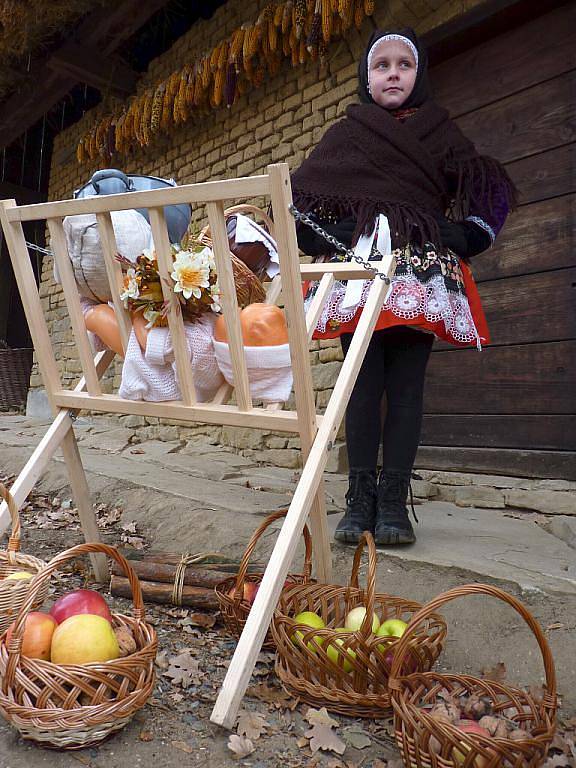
397,170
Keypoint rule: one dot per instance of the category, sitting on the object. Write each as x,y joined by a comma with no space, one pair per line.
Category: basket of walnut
444,720
77,682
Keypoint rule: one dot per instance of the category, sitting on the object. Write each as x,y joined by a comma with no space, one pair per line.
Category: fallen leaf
240,745
183,746
183,669
162,660
320,717
204,620
251,724
275,696
323,737
146,736
556,625
496,673
302,742
558,761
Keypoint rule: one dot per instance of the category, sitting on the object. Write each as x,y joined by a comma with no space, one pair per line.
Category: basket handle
14,539
366,540
242,208
14,645
243,568
549,699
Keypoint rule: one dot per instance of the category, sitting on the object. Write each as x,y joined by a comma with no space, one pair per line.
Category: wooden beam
105,29
22,195
89,66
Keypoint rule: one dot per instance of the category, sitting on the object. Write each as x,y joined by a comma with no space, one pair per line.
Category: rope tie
186,560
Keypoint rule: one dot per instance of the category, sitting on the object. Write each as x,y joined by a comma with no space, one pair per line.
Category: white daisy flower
191,273
131,289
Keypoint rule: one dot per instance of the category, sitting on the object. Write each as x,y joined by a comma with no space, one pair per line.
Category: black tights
395,364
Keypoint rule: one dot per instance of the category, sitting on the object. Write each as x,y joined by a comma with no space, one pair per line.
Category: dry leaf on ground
320,717
146,736
240,745
182,746
183,670
496,673
204,620
275,696
559,761
323,737
251,724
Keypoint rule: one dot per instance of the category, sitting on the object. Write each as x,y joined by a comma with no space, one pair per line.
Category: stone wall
280,121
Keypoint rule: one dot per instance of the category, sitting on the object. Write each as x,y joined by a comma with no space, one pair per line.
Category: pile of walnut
474,715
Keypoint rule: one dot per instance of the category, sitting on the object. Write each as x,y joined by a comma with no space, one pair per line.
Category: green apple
392,628
312,620
335,657
355,618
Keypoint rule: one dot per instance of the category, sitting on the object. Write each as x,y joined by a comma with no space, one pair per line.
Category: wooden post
281,194
115,275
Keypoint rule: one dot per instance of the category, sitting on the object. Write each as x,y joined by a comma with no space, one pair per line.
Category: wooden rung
317,304
274,290
229,304
115,275
60,250
227,189
342,270
175,321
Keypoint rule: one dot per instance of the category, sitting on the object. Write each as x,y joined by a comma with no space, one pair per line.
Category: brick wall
280,121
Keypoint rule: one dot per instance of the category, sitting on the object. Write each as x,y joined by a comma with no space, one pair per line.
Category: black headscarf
421,91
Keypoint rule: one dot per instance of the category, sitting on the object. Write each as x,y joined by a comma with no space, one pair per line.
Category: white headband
385,39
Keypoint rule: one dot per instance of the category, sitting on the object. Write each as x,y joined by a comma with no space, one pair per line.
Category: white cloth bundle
133,235
248,231
153,376
269,370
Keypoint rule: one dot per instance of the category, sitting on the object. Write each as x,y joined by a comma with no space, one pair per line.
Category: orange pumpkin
263,325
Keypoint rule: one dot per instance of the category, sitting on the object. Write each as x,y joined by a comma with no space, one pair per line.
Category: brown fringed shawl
412,171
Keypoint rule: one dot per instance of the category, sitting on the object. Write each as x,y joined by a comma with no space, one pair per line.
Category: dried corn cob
146,121
173,84
180,111
80,152
299,16
157,108
118,143
347,14
358,13
214,56
246,45
223,58
255,37
287,16
218,91
315,29
278,14
272,36
236,44
205,72
198,90
302,51
369,7
327,21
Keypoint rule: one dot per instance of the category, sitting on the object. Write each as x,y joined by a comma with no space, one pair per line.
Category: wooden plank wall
512,408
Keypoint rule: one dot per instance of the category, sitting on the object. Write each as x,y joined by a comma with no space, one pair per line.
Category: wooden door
512,408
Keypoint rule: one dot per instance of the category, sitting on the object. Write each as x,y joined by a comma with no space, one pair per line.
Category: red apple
471,727
37,638
80,601
409,665
249,591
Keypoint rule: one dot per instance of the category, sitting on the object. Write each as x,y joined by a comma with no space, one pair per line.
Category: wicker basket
249,289
13,592
233,607
71,707
15,368
354,681
414,727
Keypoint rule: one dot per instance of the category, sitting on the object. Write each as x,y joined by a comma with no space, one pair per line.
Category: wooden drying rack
317,432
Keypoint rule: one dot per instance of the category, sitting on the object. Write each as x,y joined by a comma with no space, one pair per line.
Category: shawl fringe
482,181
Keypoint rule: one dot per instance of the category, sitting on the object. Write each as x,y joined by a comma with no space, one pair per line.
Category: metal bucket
111,181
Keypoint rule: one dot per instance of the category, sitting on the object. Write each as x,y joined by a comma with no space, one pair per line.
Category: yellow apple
312,620
20,575
333,654
84,638
355,618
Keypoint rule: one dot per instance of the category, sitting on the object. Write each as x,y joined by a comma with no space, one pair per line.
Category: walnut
126,641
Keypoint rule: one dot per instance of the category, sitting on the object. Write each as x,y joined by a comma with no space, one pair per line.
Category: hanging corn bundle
157,104
81,156
327,21
272,36
346,13
287,17
180,112
219,82
316,28
146,123
358,13
369,7
278,15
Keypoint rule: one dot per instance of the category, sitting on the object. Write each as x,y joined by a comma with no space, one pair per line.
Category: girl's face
392,74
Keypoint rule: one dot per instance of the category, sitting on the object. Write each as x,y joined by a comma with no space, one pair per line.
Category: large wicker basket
13,592
351,678
233,607
426,742
70,707
15,367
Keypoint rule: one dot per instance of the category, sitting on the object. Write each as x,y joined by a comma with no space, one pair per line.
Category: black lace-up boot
360,507
393,525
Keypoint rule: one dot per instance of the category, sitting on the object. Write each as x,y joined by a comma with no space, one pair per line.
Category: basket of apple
16,569
444,720
236,594
72,676
336,644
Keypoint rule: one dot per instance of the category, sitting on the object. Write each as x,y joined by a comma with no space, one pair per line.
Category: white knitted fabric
269,370
152,375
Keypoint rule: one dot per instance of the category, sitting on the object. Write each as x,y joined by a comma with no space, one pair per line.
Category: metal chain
347,253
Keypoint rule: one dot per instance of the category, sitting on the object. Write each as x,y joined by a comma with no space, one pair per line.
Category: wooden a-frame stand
317,432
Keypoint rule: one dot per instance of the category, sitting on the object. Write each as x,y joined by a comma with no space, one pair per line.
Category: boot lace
397,487
360,496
